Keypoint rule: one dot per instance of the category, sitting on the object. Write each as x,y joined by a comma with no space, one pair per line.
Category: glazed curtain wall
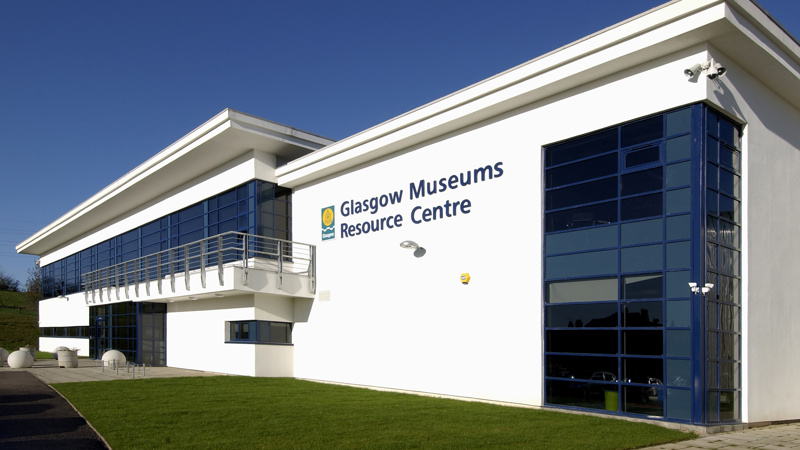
624,235
257,207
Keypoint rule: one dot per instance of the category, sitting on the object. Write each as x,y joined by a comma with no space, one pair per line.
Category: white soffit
737,27
223,138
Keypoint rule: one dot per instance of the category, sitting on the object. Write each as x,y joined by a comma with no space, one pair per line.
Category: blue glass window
256,207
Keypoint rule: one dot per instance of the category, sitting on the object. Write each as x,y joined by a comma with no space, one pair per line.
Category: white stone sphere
112,355
3,356
20,359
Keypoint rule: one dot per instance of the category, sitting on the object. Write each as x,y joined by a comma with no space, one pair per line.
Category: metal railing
232,248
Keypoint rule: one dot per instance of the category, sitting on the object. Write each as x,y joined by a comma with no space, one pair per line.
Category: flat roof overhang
738,28
223,138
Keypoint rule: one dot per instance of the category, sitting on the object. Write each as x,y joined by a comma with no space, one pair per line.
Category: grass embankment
238,412
19,323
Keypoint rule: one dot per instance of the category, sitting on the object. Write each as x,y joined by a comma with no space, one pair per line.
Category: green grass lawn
238,412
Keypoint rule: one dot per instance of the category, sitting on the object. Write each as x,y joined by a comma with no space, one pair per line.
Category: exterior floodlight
409,244
692,71
419,252
714,70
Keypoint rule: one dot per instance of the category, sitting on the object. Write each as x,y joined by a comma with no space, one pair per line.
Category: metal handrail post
220,274
203,265
125,279
147,275
186,266
245,257
172,269
158,272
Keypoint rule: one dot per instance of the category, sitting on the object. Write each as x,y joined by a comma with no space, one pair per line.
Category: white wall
396,321
196,336
771,243
64,312
49,344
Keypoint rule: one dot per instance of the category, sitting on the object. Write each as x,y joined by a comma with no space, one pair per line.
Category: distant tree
7,282
33,285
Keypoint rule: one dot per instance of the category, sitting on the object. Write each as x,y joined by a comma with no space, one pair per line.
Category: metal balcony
170,272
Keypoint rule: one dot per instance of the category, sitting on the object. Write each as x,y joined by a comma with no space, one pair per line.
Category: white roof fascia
293,174
768,35
132,177
225,120
660,31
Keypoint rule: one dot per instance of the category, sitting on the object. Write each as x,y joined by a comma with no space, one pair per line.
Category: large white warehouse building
609,227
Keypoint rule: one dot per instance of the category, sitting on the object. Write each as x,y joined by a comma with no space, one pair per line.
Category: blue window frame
623,214
258,332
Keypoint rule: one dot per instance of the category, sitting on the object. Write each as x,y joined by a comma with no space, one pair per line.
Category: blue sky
91,89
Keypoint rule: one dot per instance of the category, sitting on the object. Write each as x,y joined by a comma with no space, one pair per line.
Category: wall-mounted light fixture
419,252
697,289
713,69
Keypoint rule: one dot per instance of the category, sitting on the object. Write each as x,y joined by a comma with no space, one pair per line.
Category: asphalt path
34,416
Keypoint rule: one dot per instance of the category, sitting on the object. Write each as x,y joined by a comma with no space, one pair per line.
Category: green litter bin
612,400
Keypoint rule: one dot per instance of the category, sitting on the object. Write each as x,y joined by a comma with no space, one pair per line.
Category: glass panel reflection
642,286
642,342
679,404
642,181
648,257
583,216
642,206
642,156
679,313
642,232
729,406
679,121
678,227
582,367
582,340
581,315
581,265
642,131
642,314
581,240
679,174
679,148
679,343
582,147
584,170
679,200
583,193
679,372
642,370
646,400
603,396
592,290
678,255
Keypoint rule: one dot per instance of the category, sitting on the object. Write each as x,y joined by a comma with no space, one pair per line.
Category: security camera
716,70
692,71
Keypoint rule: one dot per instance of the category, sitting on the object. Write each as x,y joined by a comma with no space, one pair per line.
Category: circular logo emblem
327,217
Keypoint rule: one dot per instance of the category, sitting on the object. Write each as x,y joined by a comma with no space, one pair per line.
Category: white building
563,207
